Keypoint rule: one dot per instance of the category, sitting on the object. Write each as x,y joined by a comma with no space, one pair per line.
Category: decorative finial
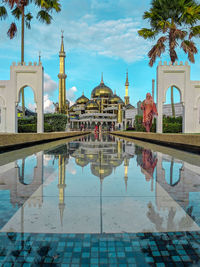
62,43
115,92
127,82
39,56
102,77
83,93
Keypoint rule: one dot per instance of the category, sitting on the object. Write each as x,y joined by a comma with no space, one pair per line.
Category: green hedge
52,123
172,127
170,124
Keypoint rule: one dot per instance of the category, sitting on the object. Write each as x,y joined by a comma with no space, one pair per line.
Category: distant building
28,112
104,107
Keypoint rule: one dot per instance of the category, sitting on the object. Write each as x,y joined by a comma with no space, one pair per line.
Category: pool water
99,201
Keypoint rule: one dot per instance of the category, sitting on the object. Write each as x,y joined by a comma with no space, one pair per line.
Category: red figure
149,110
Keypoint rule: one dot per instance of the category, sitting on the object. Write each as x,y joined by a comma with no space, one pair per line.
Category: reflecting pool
99,200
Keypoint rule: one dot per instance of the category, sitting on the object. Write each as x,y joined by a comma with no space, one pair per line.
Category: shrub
138,124
27,120
170,124
52,123
27,128
172,127
57,121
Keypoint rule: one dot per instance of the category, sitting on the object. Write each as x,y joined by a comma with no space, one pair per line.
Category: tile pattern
141,249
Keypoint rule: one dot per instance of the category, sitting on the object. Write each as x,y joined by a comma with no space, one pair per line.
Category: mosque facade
104,107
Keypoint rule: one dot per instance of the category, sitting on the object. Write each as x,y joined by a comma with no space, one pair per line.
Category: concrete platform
186,142
19,140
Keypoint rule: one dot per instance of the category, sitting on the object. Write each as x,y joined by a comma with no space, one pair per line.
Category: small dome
82,100
92,105
115,99
81,161
101,90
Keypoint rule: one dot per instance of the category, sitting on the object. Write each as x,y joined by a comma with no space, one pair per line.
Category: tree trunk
22,59
172,101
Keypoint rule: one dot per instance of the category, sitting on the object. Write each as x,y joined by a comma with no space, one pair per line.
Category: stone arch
175,86
24,86
30,76
177,75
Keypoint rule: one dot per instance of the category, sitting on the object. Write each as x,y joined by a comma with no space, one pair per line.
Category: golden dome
115,99
101,171
82,100
92,105
81,162
101,90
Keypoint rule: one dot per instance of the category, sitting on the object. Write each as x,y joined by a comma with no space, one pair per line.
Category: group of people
98,128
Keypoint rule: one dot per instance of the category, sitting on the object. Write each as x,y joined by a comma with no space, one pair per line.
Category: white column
40,100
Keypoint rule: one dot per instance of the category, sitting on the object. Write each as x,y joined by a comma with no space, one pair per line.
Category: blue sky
99,36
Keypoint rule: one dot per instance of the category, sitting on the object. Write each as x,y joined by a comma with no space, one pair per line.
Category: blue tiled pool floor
141,249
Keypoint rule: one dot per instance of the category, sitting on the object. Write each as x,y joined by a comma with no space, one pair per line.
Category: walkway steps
10,141
186,142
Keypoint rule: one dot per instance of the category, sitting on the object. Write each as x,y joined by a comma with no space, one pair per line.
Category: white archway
178,76
20,77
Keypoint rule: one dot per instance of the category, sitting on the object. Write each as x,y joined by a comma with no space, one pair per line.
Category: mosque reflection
103,155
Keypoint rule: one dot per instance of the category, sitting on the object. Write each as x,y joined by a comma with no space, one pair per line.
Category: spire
83,93
115,92
127,82
126,98
39,57
102,78
62,51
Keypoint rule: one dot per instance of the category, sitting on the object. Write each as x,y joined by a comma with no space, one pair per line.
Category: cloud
116,38
32,106
93,30
49,85
48,104
71,95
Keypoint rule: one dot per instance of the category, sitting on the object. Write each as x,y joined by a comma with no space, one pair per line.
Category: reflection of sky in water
173,167
115,180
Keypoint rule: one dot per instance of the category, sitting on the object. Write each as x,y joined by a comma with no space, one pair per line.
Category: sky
99,36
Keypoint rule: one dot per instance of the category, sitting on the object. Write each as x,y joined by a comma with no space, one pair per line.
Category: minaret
126,98
62,76
61,186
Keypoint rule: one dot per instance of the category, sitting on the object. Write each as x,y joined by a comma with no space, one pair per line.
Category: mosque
104,107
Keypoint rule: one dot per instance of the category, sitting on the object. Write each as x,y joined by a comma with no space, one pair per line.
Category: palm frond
12,31
194,31
3,12
44,16
157,50
147,33
28,18
16,13
189,48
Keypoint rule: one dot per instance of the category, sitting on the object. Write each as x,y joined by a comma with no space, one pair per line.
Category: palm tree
174,23
18,8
